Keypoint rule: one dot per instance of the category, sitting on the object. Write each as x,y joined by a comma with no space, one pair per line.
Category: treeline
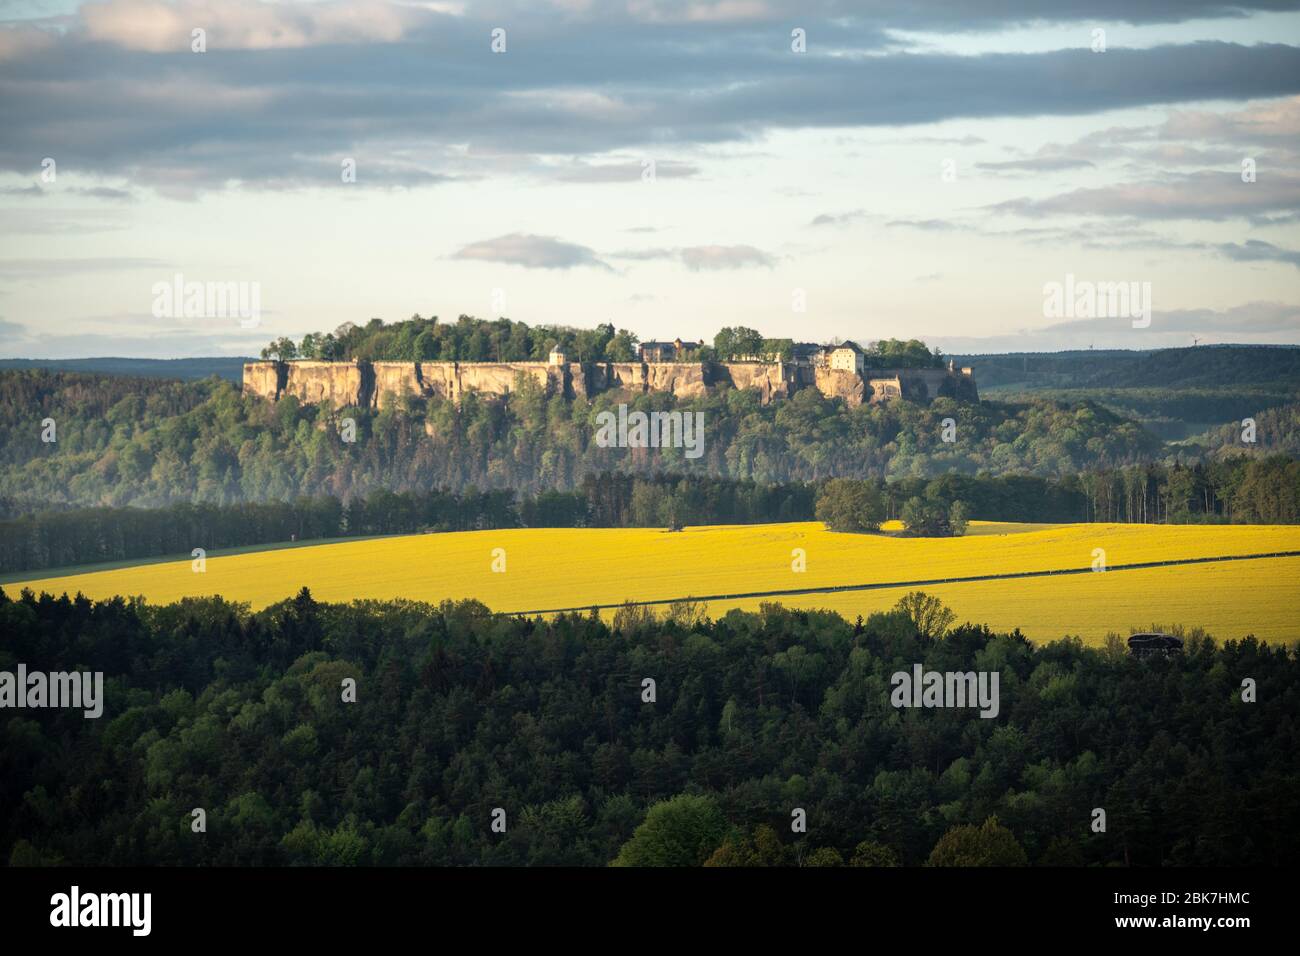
63,538
1250,490
466,340
1242,490
470,339
458,712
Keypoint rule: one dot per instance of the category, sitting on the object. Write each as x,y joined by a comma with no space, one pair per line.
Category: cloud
1039,164
531,252
157,27
1256,250
28,220
1258,123
704,258
285,90
839,219
1249,323
105,192
1207,195
12,331
697,258
134,336
629,172
927,225
1252,318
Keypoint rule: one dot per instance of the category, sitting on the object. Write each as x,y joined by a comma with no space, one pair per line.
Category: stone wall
918,385
376,384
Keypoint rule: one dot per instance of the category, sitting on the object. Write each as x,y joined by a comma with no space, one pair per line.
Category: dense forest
459,712
151,443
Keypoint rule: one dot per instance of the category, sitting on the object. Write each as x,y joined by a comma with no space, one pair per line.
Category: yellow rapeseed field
553,568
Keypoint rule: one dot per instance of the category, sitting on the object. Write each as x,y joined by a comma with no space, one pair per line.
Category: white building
848,357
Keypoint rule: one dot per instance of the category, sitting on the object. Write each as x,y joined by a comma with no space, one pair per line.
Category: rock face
377,384
314,383
841,383
772,379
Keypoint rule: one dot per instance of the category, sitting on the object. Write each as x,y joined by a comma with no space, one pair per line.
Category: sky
815,170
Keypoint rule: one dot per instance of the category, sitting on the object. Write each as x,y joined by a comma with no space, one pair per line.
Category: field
559,568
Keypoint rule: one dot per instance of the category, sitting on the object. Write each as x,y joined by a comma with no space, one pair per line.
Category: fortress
375,385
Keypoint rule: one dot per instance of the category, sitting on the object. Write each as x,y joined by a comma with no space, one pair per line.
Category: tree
683,831
824,856
869,853
282,349
988,845
848,505
622,347
930,616
763,849
957,520
928,517
739,341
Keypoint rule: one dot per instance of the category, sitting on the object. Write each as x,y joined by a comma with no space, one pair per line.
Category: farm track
929,582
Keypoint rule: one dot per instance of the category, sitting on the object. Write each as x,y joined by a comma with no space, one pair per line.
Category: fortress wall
366,384
881,389
920,384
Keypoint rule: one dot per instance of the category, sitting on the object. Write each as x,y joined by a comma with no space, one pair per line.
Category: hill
228,368
151,442
1200,366
1174,393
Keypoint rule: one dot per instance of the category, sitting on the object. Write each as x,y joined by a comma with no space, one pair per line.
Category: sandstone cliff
772,380
376,384
840,383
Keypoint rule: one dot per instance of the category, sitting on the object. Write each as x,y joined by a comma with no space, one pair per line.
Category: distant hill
1202,366
1175,393
225,367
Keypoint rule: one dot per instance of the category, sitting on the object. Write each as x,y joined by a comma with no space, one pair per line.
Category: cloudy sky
919,168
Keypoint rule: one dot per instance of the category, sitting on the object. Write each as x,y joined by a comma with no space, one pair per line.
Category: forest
459,713
150,442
